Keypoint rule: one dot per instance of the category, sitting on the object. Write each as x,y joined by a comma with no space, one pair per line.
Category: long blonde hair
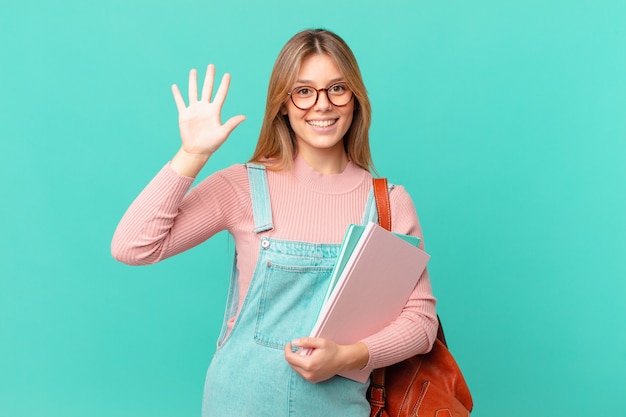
276,146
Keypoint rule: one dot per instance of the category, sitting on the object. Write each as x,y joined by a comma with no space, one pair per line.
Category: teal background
504,120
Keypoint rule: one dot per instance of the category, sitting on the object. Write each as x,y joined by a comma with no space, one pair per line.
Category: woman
287,211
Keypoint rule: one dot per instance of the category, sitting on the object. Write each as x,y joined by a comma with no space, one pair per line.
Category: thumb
233,122
308,342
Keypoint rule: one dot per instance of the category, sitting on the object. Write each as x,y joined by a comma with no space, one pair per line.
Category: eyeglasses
305,97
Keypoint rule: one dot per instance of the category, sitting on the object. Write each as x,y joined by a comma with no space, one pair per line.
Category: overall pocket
291,298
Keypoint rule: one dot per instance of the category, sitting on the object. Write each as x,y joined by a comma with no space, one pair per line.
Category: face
320,130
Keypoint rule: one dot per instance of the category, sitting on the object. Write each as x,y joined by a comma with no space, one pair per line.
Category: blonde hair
276,146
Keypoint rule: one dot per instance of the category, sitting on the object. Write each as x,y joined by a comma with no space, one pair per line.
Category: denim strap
259,192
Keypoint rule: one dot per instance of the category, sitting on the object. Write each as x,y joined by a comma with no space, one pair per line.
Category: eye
337,89
304,91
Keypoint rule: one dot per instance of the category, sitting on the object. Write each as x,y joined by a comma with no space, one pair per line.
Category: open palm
201,128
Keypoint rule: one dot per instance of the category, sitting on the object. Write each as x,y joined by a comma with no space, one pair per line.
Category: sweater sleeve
165,220
415,330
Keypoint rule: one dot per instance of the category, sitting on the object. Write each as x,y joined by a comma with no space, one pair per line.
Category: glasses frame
317,95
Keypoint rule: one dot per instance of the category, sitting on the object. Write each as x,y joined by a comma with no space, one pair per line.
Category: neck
327,163
344,182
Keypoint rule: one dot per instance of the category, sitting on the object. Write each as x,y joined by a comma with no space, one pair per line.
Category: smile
322,123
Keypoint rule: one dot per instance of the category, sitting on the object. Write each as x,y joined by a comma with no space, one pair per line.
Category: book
376,275
350,240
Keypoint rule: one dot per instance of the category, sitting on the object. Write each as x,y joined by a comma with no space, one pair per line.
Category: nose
323,103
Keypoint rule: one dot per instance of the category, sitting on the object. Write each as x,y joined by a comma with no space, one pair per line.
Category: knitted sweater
166,219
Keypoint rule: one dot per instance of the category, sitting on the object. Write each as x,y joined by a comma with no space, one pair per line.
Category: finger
193,86
288,351
220,96
233,122
293,358
309,342
207,86
178,98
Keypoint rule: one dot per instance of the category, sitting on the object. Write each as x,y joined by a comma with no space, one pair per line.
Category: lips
322,123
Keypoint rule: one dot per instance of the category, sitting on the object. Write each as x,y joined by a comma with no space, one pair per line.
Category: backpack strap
381,195
371,209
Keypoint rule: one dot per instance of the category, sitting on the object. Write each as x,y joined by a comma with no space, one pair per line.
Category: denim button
265,244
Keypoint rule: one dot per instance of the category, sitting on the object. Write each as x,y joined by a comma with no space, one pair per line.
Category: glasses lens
339,94
305,97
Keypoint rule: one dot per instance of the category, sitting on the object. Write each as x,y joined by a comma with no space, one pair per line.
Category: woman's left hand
327,358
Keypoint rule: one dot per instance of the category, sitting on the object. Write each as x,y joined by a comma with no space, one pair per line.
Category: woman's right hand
201,128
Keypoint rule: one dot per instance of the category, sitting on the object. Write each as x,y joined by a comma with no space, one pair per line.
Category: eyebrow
310,82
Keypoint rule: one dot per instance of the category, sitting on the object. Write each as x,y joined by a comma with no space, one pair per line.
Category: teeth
322,123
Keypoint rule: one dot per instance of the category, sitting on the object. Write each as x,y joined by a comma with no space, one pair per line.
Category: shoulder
403,213
231,181
399,196
236,174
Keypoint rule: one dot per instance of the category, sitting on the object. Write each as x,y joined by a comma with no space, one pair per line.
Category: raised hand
201,128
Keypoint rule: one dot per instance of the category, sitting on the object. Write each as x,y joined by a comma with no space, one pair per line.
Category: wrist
187,163
355,356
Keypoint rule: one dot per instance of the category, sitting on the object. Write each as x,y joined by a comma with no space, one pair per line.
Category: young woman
287,210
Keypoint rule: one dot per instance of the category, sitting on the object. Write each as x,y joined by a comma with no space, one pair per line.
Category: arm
163,221
415,330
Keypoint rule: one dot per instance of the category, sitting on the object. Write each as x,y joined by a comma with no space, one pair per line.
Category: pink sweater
165,220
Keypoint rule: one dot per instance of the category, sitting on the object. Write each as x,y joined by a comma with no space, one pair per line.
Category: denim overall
249,376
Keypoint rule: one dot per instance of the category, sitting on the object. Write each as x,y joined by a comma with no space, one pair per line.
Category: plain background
504,120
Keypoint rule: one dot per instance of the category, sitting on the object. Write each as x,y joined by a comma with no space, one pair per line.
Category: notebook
350,240
371,288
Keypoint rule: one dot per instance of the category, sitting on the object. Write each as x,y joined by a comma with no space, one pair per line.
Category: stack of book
375,274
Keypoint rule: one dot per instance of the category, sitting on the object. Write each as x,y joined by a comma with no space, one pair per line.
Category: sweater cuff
171,173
